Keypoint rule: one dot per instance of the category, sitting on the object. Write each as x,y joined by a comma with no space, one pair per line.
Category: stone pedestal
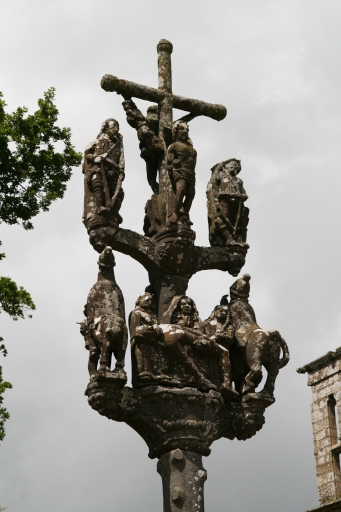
183,478
169,418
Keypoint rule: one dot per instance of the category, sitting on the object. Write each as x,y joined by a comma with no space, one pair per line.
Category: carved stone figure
145,334
218,326
181,162
103,170
256,346
182,328
151,146
227,215
104,329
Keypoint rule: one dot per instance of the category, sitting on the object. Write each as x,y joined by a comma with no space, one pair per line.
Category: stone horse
105,331
253,347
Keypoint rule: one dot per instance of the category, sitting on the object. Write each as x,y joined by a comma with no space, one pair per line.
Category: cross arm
128,89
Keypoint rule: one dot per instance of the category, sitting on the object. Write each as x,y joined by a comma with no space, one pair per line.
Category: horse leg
254,359
120,348
269,386
93,356
238,368
105,359
253,378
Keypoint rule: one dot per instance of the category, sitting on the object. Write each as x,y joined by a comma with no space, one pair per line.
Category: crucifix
165,99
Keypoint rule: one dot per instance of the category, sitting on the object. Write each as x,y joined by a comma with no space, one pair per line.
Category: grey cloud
275,66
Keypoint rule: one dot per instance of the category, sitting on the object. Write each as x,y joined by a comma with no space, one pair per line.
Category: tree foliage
33,172
36,159
14,300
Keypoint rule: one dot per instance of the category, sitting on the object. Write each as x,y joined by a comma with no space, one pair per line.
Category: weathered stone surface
171,252
151,146
128,89
104,328
103,170
253,347
227,216
324,377
168,418
177,351
193,381
183,478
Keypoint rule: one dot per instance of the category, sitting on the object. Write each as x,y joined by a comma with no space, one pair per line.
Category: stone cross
163,95
181,400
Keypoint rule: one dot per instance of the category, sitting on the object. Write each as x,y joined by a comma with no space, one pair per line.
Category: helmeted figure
104,329
103,170
254,347
151,146
227,215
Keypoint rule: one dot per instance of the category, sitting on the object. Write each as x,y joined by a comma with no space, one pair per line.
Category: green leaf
34,174
14,300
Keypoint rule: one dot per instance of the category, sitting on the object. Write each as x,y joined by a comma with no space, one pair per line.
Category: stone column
183,478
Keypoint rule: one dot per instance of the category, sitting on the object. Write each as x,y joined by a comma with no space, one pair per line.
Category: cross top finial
164,46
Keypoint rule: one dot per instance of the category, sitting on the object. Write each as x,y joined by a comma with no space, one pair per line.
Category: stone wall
324,377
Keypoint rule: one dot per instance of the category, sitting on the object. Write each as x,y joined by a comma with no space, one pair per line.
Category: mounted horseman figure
253,346
104,329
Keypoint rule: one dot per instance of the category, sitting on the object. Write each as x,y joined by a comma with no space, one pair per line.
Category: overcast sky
275,65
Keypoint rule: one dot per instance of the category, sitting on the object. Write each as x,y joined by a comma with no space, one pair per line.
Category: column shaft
183,478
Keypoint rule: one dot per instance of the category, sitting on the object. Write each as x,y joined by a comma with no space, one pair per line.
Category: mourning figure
103,170
255,347
181,162
145,333
104,328
227,215
151,146
184,332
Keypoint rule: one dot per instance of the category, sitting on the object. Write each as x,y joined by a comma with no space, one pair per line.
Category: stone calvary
193,380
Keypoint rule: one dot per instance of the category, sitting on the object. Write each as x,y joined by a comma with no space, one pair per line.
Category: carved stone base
169,418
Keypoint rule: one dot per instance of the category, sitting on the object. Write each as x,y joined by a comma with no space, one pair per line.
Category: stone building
324,377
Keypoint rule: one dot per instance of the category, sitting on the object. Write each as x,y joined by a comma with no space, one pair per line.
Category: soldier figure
104,171
228,217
